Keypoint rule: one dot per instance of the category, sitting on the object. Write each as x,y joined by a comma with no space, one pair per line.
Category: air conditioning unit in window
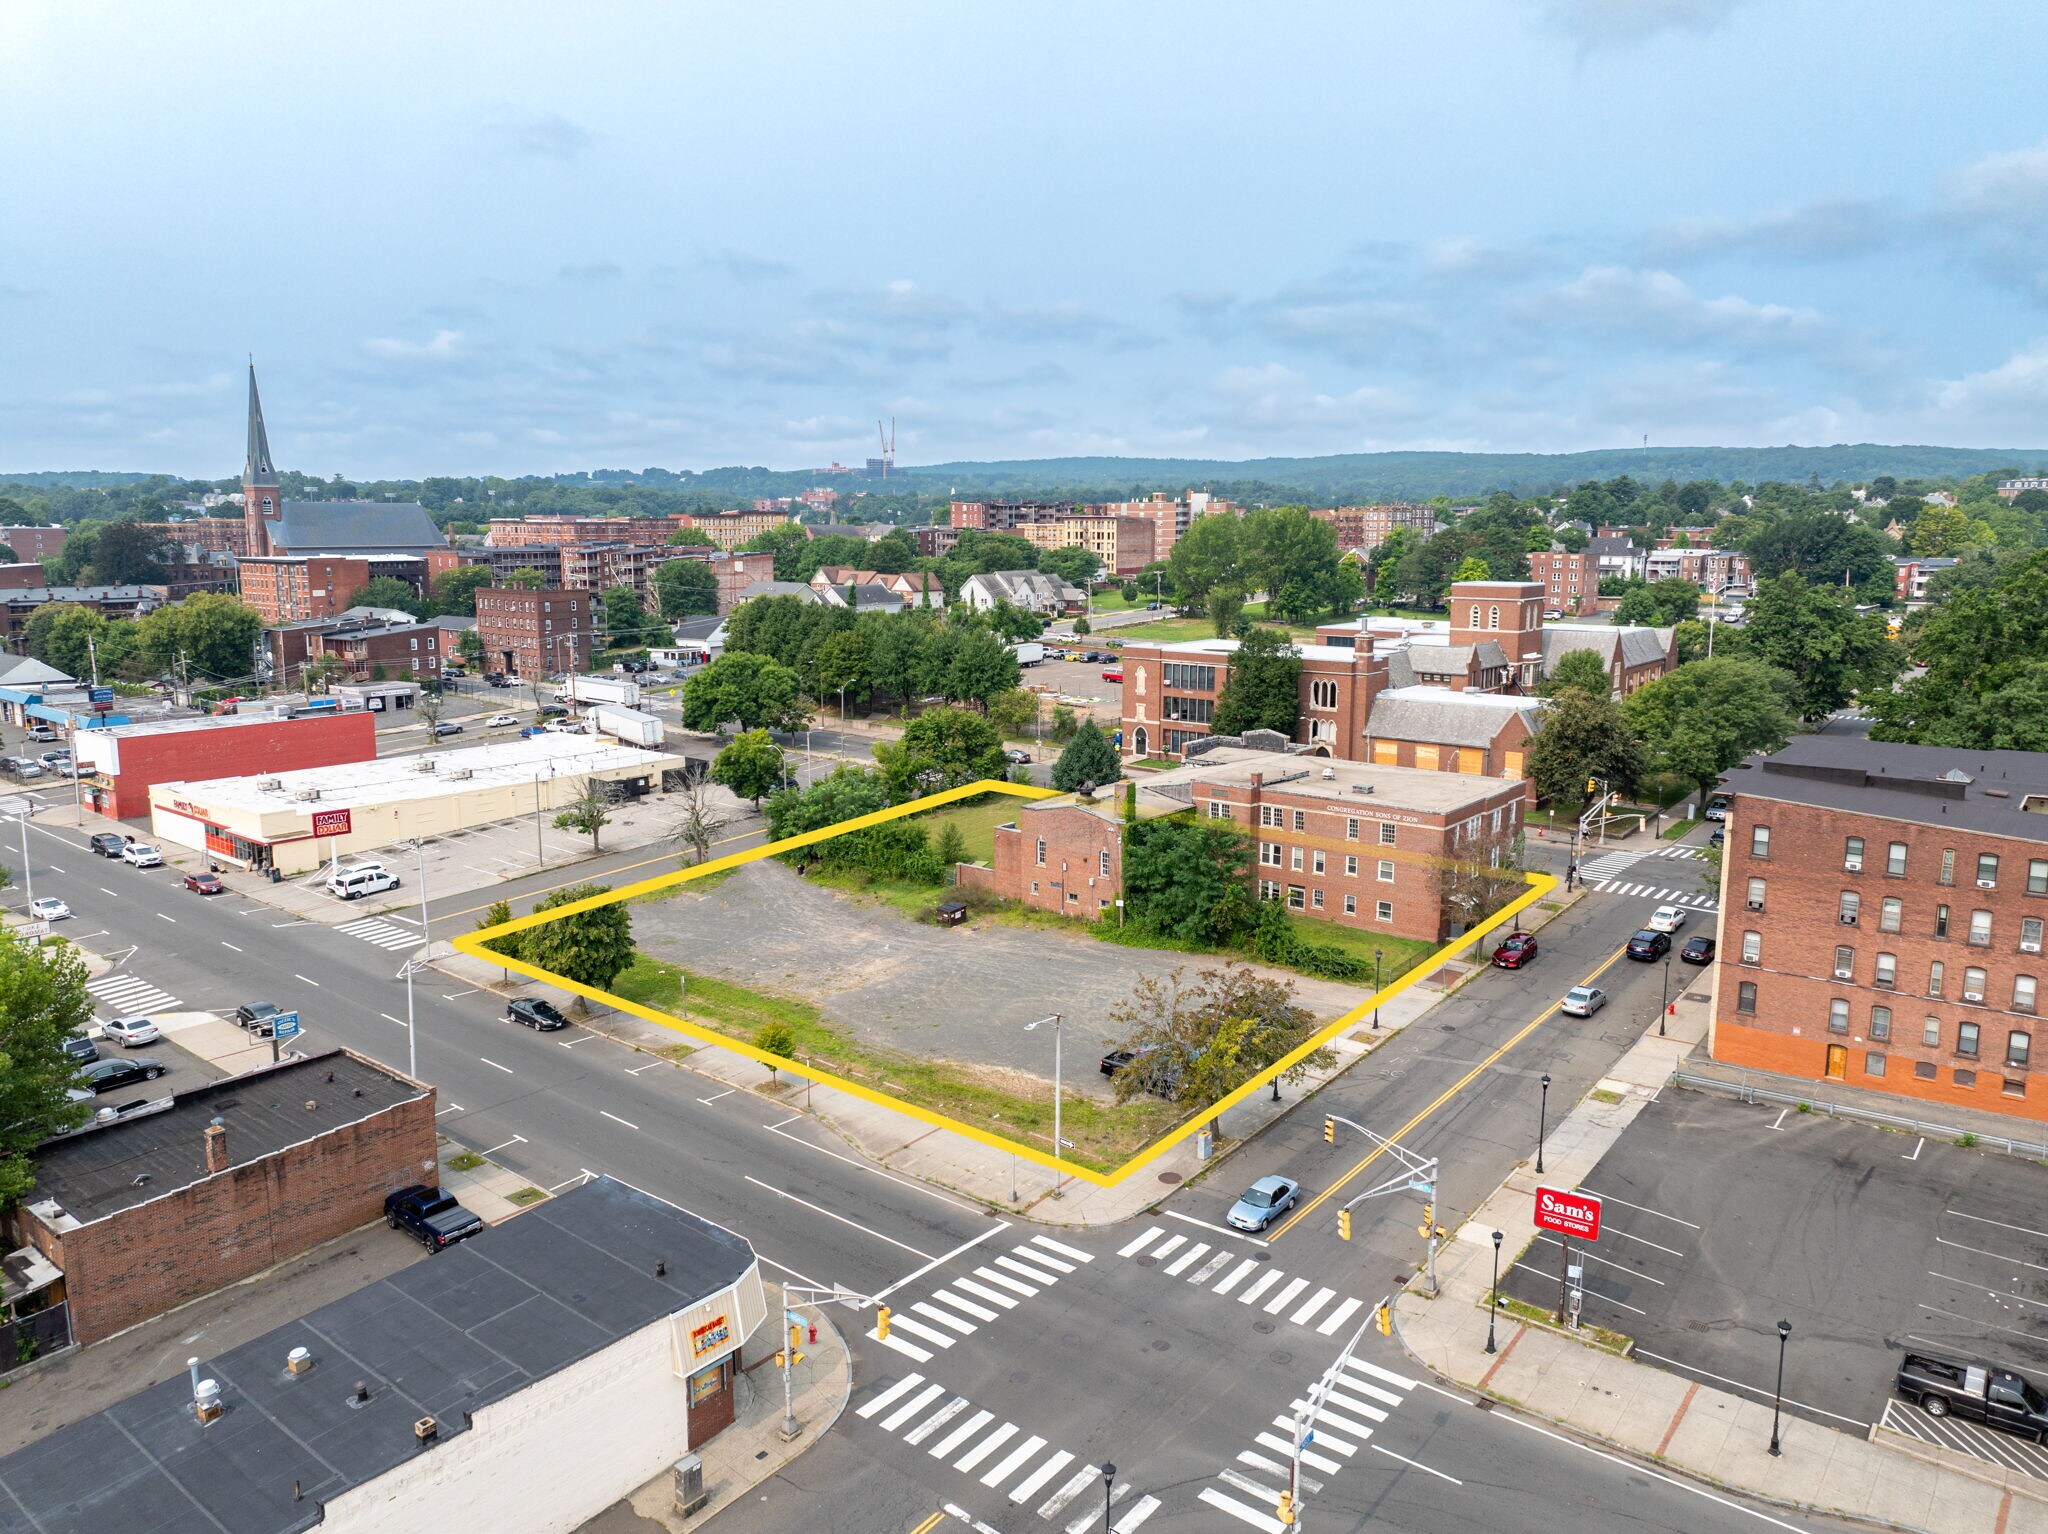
1987,884
1847,918
1845,974
1853,865
2030,947
1756,905
1973,996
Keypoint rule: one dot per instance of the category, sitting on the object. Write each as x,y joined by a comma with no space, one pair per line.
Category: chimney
216,1147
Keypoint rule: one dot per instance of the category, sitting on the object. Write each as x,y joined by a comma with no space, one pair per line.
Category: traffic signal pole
1417,1175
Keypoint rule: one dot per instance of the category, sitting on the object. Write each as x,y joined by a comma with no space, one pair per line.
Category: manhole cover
1263,1328
1262,1256
1147,1262
1281,1356
1161,1346
1169,1178
1402,1278
1446,1027
1484,1403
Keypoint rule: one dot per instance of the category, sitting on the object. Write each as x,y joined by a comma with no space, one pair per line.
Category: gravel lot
961,993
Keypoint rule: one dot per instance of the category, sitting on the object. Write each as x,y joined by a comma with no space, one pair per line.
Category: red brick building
123,762
20,577
537,633
293,588
1882,913
33,543
1367,527
1571,582
384,651
144,1214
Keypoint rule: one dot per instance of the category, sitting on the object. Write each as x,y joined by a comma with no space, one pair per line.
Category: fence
1755,1094
25,1340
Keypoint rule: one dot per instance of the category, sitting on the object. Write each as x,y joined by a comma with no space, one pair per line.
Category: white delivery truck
627,724
622,690
1029,652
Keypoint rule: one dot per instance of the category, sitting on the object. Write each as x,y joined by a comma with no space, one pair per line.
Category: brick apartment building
1882,913
229,1179
21,577
20,604
1367,527
293,588
1122,544
383,651
1709,569
1007,516
503,560
119,765
1571,582
546,632
935,542
1367,846
33,543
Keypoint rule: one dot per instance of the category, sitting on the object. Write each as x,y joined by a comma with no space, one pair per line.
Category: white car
142,855
500,722
564,727
131,1031
1666,918
1583,1000
49,908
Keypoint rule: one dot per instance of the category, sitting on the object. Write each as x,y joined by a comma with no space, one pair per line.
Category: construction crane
887,461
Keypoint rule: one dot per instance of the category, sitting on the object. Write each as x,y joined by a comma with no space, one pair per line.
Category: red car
1516,949
205,884
1113,674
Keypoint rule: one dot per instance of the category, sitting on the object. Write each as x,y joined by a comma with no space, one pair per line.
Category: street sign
102,695
1569,1214
285,1025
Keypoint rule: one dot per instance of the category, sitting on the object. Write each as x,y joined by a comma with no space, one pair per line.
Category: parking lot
1722,1218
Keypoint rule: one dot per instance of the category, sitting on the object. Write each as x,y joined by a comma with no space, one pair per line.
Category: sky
531,238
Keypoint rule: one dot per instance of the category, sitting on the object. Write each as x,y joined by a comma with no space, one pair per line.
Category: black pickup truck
431,1215
1982,1392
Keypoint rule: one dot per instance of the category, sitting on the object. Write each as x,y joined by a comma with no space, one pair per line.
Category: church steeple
259,470
262,501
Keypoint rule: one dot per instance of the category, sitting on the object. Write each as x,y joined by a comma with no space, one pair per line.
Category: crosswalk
963,1305
1358,1399
131,996
999,1454
1608,864
1691,899
385,934
1224,1271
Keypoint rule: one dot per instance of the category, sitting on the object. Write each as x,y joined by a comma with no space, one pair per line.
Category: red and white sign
330,822
1569,1214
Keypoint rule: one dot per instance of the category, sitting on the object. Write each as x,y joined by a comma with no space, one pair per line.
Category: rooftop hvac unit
272,785
423,764
1361,788
460,773
307,795
1329,773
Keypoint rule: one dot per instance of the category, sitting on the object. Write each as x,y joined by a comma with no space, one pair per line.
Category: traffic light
882,1323
1592,787
1343,1224
1428,1218
1285,1511
796,1341
1330,1130
1385,1317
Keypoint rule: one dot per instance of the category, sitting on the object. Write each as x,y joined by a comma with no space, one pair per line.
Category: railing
1749,1093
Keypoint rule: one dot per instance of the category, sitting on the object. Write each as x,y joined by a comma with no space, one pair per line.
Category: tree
390,591
1185,878
845,793
1571,538
843,667
1477,879
775,1038
750,765
1200,1040
1701,719
1659,604
129,554
469,647
1264,689
1294,558
496,914
698,825
1012,622
690,538
1473,568
591,947
625,619
1583,669
1083,628
981,666
43,1002
1225,608
1584,736
750,691
455,590
788,543
1942,530
1203,557
686,588
589,812
1815,634
1985,650
525,578
64,634
215,635
1824,548
1076,565
941,748
951,847
1014,713
1089,758
428,710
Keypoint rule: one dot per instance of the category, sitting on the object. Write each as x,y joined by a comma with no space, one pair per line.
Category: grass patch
1603,1095
1104,1135
468,1161
525,1196
696,886
1679,829
1159,761
1617,1343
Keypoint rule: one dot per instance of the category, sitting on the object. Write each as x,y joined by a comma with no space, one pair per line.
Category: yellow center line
928,1523
623,868
1449,1092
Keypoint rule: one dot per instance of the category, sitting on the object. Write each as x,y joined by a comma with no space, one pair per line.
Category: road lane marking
1003,1434
1187,1259
617,1120
841,1219
1005,1280
1316,1302
1065,1251
1237,1276
1973,1321
912,1407
1030,1486
390,1019
1008,1302
981,1312
961,1434
1999,1294
226,944
515,1140
497,1067
996,1229
1400,1380
2000,1256
1609,1198
1144,1240
1221,1230
1981,1220
1285,1297
1754,1390
933,1313
171,919
1012,1462
451,1108
946,1198
105,891
1627,1235
936,1420
313,983
708,1101
904,1386
1416,1464
1260,1285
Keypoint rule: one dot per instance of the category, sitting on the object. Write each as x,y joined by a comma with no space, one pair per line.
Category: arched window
1475,617
1493,617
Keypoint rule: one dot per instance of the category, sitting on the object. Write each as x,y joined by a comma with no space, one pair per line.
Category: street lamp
1376,956
1778,1399
1493,1298
1542,1118
1664,1006
412,1052
1059,1177
1108,1480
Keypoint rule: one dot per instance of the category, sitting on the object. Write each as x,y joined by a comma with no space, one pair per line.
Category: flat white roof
1423,692
1229,647
196,722
398,777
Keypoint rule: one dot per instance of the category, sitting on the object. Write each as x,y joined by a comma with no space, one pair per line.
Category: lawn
1179,630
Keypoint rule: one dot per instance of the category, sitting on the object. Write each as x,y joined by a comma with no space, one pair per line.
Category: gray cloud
542,135
1832,230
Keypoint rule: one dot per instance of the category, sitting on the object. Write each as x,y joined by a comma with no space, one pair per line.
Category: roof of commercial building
355,527
186,722
104,1168
2001,793
1402,788
1443,717
1636,645
394,778
19,670
80,594
442,1338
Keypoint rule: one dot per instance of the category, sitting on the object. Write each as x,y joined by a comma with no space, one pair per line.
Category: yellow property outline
473,944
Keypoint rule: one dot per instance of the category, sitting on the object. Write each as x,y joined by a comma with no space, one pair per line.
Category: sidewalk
1710,1434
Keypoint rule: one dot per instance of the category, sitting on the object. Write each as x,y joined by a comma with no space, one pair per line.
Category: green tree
1572,539
43,1002
1824,548
497,913
789,543
1201,1039
775,1038
57,634
455,590
216,636
751,691
1816,635
469,648
626,623
1089,758
1294,558
981,666
845,793
1985,654
1075,565
1473,568
941,748
1083,628
843,667
525,578
592,947
1225,608
589,812
1185,879
1264,689
690,538
1583,669
1701,719
1584,736
750,765
686,588
390,591
129,554
1014,713
1659,604
1204,557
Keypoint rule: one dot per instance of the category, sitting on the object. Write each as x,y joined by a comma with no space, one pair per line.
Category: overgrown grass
696,886
1104,1135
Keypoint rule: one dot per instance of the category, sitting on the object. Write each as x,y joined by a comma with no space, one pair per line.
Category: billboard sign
1569,1214
103,695
285,1025
330,822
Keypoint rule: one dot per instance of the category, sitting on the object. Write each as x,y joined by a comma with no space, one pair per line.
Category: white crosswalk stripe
945,1315
1226,1273
1086,1522
385,934
127,994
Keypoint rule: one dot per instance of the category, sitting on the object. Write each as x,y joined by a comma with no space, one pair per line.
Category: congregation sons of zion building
1882,914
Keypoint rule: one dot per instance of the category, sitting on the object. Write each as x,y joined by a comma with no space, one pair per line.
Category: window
1852,855
1759,841
1895,860
1317,862
2023,993
1384,911
1034,886
1269,854
1930,1033
1987,870
1980,929
1294,858
1873,1064
1386,871
1186,710
1351,865
1745,997
2015,1086
1966,1040
1386,833
1756,894
1105,862
1848,908
1935,972
1322,694
1965,1078
1845,963
1272,815
2030,934
2037,876
1973,985
1350,905
1351,829
1886,974
1294,894
1752,947
1880,1023
1041,852
1268,890
1218,810
1301,820
1838,1016
1890,915
1948,865
1941,921
1924,1069
1493,617
1194,678
1316,899
2018,1046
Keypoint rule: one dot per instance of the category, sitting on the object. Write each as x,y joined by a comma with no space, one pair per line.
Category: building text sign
1569,1214
330,822
710,1337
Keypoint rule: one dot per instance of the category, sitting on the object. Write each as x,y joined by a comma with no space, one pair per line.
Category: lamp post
1664,1006
1376,956
1542,1119
28,874
1493,1296
1108,1480
1778,1398
1059,1177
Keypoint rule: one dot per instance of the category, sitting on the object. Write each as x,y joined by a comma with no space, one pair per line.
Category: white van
354,883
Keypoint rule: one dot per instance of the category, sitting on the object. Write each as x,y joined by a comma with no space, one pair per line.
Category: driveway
961,994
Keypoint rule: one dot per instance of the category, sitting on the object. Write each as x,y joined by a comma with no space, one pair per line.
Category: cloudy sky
532,237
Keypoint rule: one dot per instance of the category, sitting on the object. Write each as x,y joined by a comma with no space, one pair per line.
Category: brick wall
258,749
1066,876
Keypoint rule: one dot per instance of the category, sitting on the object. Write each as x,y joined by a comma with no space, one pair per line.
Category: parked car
1666,918
1717,807
541,1016
1583,1001
106,844
431,1215
500,722
24,767
1981,1392
49,908
497,679
554,711
1112,673
108,1075
204,884
41,734
1263,1203
131,1031
54,759
530,731
1649,945
563,727
1516,949
1698,949
446,727
354,883
1717,838
1017,758
256,1017
79,1048
141,855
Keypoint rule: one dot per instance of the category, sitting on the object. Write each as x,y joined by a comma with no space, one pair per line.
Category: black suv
256,1017
107,845
1649,946
81,1049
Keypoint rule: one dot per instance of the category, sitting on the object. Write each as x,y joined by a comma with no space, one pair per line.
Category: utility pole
1059,1177
1418,1174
